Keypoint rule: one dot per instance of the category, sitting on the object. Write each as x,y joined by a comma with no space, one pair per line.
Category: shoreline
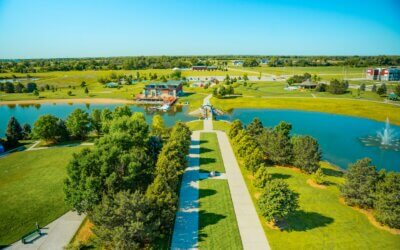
72,100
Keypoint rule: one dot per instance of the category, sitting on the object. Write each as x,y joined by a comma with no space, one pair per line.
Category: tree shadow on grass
207,219
205,150
280,176
206,160
203,141
303,221
332,172
205,192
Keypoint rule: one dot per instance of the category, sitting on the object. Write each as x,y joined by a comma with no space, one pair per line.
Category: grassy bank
322,221
31,190
367,109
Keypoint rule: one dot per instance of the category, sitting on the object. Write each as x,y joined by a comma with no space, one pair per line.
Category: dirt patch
85,232
312,183
272,225
371,218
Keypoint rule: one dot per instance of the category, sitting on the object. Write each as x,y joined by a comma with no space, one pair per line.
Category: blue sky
42,29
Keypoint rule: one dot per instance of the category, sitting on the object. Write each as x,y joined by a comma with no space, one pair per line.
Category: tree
30,87
96,121
277,201
250,62
106,117
261,177
86,90
382,90
321,87
373,88
338,87
387,202
26,131
245,77
158,126
49,128
236,126
124,221
122,111
306,153
255,128
83,84
78,123
397,90
36,92
360,183
362,87
318,177
253,159
276,143
13,132
9,87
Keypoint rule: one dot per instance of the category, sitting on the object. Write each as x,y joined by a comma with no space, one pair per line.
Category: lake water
30,113
338,135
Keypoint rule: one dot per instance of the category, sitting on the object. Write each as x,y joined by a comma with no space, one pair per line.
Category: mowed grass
218,227
195,125
360,108
210,155
31,190
322,221
222,126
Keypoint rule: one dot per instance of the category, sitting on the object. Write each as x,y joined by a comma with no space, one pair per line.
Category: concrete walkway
208,122
250,228
186,228
56,235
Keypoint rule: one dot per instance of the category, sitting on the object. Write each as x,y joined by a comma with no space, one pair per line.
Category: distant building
383,74
264,61
161,92
201,67
238,63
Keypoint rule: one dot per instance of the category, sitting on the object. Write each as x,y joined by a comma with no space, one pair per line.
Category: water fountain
385,139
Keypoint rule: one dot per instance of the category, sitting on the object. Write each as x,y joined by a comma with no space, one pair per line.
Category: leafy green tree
360,184
78,123
373,88
387,200
9,87
48,128
397,90
261,177
382,90
254,159
96,121
13,132
338,87
136,128
83,84
122,111
277,201
245,77
124,221
318,177
158,126
30,87
236,126
306,153
26,131
255,128
106,117
362,87
276,143
86,90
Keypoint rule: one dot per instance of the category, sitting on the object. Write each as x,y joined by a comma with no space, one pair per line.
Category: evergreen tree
255,128
261,177
26,131
96,121
157,126
306,153
318,177
277,201
236,126
360,183
387,200
13,132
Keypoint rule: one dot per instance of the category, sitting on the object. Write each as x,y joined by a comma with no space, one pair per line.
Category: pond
339,136
28,113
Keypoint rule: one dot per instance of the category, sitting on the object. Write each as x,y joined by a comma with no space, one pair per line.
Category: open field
222,125
195,125
322,221
360,108
218,228
325,72
31,190
210,155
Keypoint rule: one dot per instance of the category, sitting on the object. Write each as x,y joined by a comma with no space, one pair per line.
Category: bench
31,236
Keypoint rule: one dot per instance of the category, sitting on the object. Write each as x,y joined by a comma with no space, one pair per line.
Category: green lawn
210,155
222,125
195,125
322,222
31,190
360,108
218,228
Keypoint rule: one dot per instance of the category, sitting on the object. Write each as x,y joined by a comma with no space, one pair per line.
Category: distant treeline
168,62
